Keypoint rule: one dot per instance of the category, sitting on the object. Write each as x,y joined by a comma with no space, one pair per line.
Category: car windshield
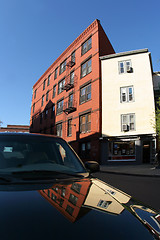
29,152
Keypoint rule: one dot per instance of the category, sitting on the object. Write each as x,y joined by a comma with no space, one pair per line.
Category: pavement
145,170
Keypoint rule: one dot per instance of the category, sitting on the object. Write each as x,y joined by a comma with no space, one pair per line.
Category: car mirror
92,166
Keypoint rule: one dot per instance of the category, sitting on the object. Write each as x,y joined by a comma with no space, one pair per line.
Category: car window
22,151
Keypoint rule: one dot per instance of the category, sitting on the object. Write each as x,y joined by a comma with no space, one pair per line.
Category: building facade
15,128
128,108
67,98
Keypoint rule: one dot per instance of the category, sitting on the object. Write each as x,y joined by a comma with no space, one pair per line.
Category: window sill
85,75
85,101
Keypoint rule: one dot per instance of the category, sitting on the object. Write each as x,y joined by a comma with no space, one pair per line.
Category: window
63,192
69,129
86,46
73,58
61,201
127,122
76,187
53,111
69,210
41,117
85,149
42,101
46,113
35,93
47,95
127,94
61,85
70,100
85,94
62,67
59,129
60,107
49,78
73,199
126,148
53,107
86,68
72,77
85,123
33,107
54,92
54,197
55,73
44,84
125,66
104,204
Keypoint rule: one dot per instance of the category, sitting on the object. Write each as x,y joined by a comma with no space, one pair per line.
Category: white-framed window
128,122
104,204
59,129
85,93
44,84
61,85
49,79
73,59
69,128
60,107
70,100
33,107
86,46
62,67
127,94
55,73
52,111
86,68
125,66
54,91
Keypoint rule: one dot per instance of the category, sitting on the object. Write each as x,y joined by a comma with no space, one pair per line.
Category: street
145,189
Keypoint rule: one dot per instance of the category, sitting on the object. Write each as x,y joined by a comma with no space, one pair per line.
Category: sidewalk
147,170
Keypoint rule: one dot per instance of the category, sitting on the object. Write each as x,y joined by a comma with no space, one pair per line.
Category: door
146,152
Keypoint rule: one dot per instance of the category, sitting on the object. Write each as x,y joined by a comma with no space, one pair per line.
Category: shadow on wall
44,122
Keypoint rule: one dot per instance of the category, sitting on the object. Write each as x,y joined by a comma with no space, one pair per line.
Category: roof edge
121,54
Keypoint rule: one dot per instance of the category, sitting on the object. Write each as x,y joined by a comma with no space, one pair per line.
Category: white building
128,109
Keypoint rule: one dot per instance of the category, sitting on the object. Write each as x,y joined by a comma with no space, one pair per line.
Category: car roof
27,134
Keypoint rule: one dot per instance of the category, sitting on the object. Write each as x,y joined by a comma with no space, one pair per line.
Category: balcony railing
69,107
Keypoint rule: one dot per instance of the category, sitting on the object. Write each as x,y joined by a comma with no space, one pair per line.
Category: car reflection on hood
76,199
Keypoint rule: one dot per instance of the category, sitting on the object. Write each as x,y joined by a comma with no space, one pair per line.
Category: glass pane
124,119
83,90
123,97
89,66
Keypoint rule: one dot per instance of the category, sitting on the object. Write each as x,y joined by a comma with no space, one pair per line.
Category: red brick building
15,128
68,199
67,98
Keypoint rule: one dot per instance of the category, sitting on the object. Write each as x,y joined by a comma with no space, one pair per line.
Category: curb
131,174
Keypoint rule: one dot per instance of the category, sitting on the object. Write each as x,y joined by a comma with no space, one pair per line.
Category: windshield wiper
44,174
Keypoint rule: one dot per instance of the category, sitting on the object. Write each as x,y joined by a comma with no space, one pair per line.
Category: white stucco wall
143,104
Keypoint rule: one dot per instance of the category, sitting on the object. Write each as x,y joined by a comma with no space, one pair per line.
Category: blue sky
33,33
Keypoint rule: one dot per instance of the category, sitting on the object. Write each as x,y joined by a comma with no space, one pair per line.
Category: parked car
46,192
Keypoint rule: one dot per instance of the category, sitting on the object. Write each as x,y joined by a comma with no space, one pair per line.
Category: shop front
122,151
132,150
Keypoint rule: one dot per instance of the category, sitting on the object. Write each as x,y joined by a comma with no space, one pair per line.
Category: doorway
146,152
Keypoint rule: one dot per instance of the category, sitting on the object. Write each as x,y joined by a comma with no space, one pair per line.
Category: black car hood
83,209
